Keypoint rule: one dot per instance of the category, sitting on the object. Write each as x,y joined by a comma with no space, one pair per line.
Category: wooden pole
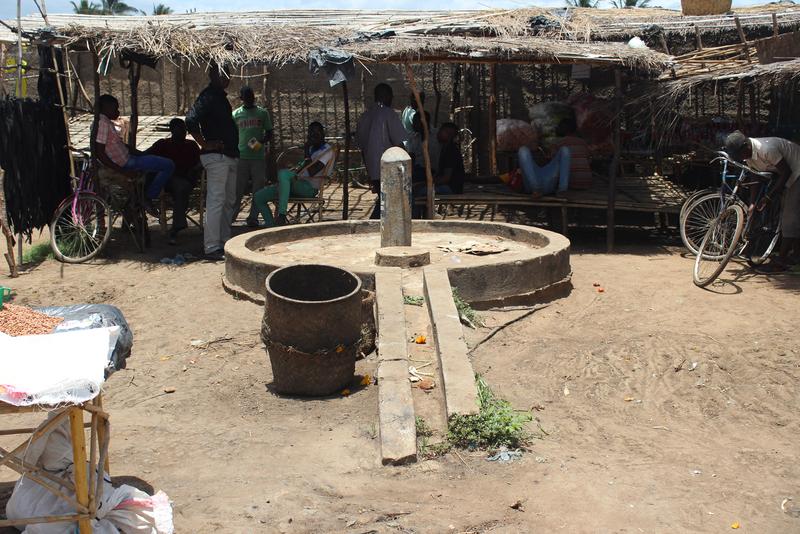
95,104
743,38
612,173
79,464
134,73
438,92
2,70
62,102
12,264
346,179
775,29
425,135
178,81
162,75
17,93
493,120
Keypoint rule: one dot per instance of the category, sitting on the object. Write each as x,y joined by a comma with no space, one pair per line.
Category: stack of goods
34,157
23,321
514,133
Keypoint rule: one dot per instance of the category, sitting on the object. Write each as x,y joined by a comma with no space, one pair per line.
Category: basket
695,8
312,328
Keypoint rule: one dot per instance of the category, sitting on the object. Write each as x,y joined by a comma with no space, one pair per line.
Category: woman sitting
303,181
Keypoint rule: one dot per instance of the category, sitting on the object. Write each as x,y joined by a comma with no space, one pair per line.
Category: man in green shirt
255,131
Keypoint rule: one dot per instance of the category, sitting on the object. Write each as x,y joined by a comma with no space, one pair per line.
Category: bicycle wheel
696,218
763,235
692,198
719,245
78,234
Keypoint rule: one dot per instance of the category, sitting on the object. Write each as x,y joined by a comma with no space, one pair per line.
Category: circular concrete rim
312,302
252,267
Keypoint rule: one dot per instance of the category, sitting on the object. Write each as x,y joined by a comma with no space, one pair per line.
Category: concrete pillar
395,198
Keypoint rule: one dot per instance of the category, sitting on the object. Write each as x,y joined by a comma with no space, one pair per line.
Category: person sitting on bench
304,182
553,177
117,156
414,148
185,154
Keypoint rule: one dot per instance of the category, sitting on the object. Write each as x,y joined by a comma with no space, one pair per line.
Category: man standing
210,121
378,130
185,154
410,111
780,156
255,131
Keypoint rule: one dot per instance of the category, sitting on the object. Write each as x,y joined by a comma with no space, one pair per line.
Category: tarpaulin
337,65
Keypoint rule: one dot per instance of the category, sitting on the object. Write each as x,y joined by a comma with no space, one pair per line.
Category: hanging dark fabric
338,65
34,157
48,90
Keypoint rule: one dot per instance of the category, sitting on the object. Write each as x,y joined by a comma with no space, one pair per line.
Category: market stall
55,363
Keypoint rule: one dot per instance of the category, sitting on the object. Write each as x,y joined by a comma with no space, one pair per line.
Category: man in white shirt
782,157
378,130
303,182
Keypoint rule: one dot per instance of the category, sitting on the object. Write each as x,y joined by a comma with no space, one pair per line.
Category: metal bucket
312,328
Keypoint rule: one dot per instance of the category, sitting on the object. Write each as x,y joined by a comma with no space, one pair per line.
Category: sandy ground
632,445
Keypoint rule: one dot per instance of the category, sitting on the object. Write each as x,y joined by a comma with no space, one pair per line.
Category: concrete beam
458,377
395,402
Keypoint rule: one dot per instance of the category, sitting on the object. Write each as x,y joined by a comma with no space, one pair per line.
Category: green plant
620,4
467,315
37,253
582,3
412,300
497,423
161,9
85,7
425,447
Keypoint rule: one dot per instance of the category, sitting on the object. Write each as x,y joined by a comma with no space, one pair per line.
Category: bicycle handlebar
79,151
724,156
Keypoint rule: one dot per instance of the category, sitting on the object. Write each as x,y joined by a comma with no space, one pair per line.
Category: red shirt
185,155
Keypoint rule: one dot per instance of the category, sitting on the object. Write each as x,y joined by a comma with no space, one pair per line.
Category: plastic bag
514,133
85,316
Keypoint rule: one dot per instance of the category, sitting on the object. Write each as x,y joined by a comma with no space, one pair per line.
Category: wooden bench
653,194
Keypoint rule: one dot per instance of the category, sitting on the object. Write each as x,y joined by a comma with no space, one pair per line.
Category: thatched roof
280,37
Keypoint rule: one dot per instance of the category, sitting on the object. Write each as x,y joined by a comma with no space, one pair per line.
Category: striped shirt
580,171
108,135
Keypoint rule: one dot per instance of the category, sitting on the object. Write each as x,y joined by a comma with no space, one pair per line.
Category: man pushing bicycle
782,157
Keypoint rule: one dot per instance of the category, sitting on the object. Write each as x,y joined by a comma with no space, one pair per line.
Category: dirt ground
666,408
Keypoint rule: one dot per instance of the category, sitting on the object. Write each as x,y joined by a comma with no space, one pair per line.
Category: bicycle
723,238
81,225
701,208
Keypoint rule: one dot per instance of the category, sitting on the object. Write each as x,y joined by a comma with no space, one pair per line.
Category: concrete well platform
534,267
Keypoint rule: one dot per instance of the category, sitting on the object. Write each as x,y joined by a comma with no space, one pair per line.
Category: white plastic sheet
66,367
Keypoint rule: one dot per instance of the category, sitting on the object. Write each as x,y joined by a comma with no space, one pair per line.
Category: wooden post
698,37
17,93
95,106
493,119
178,81
62,102
346,178
438,92
79,464
612,173
12,264
134,73
425,135
664,44
743,38
775,28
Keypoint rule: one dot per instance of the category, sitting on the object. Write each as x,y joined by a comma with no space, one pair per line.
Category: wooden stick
775,29
346,178
20,466
93,464
493,120
134,73
743,38
2,69
699,38
438,92
664,44
79,464
612,174
45,427
29,471
9,256
43,519
95,104
63,108
103,429
425,135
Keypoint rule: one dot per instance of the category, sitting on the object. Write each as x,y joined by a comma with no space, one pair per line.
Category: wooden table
87,487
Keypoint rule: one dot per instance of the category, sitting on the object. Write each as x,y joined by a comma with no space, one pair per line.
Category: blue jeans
163,168
551,178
